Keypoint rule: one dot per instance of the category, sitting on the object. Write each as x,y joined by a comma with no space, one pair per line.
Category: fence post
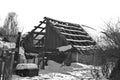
7,65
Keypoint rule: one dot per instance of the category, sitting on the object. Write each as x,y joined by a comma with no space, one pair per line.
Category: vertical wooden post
2,71
1,54
3,65
11,65
7,66
43,60
17,46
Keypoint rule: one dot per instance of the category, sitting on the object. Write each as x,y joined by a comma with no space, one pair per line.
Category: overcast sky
92,13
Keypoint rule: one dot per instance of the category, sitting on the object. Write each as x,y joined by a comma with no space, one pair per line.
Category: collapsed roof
57,33
70,33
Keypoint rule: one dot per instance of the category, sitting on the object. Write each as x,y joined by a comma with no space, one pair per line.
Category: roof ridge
62,22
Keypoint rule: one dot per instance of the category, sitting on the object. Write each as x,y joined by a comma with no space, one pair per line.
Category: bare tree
10,24
112,34
111,40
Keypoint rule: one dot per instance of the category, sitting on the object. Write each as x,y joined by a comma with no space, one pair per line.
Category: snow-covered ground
76,71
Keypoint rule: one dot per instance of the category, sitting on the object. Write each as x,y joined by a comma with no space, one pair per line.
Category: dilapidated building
51,35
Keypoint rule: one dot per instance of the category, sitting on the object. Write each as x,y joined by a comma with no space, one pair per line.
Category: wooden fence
6,65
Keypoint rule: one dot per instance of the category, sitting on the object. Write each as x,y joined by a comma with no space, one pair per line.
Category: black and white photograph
59,40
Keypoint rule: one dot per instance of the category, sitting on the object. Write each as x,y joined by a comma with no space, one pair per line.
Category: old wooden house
51,34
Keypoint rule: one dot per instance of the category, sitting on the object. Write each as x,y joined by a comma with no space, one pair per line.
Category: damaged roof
72,33
57,33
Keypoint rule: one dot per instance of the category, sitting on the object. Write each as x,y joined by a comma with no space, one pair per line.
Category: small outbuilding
54,36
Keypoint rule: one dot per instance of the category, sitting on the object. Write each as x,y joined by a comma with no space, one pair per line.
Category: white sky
92,13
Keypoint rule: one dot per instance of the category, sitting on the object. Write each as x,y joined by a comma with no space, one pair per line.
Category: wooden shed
51,34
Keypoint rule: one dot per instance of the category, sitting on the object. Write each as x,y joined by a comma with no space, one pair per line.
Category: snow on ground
76,71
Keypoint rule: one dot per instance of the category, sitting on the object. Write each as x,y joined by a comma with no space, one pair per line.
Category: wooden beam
79,40
82,46
71,30
41,22
69,27
39,27
75,35
38,33
61,22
